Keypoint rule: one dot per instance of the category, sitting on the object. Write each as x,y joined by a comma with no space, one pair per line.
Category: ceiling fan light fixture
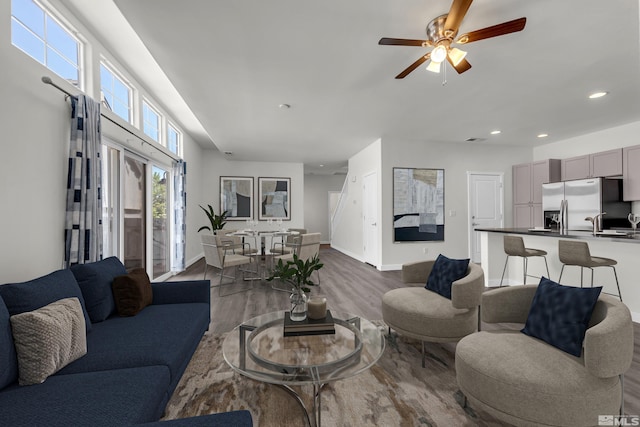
456,55
439,54
434,66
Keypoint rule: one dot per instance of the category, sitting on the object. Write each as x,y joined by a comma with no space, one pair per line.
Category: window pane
172,139
120,91
61,67
133,188
151,121
106,80
120,109
62,41
29,14
161,227
26,41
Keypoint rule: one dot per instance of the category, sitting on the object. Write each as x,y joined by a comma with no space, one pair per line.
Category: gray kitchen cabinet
527,190
631,173
604,163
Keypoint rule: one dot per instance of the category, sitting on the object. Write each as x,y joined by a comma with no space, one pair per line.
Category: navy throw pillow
36,293
95,280
8,357
560,315
445,271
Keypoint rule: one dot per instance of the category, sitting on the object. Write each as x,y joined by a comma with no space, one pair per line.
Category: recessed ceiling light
321,166
596,95
543,135
495,132
285,106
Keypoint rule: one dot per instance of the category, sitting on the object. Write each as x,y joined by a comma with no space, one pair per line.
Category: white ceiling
234,62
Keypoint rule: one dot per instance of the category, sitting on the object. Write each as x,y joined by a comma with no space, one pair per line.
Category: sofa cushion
559,315
36,293
48,339
445,271
105,398
95,280
8,358
132,292
165,334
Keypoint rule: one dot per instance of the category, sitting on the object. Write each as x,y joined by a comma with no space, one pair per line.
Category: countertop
570,234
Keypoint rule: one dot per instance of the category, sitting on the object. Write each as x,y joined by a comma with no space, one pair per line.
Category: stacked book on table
309,326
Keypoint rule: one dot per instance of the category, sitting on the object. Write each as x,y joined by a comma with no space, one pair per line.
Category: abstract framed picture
236,197
275,198
418,205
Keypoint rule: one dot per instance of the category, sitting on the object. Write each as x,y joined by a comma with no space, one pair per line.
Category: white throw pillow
48,339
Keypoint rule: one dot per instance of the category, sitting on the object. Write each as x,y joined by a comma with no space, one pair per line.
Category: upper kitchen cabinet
631,173
605,163
527,190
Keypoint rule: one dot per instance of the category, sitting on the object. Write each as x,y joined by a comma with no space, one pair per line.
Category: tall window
161,226
151,121
37,33
115,92
173,139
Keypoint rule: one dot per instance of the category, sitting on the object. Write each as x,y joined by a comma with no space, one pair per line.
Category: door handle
374,224
474,223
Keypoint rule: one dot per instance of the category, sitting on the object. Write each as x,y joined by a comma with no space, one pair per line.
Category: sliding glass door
134,206
161,224
138,211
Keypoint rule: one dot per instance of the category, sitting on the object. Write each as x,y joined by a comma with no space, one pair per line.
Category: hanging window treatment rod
47,80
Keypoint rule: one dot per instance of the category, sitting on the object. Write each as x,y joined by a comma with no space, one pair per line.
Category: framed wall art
236,197
418,205
275,198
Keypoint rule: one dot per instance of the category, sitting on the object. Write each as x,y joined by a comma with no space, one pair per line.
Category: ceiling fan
442,32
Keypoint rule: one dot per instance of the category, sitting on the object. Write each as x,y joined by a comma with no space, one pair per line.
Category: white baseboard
348,253
390,267
193,260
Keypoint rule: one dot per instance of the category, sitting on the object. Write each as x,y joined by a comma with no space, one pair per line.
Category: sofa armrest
417,272
188,291
509,305
608,345
467,292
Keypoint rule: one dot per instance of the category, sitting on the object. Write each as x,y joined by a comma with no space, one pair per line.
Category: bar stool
578,254
514,246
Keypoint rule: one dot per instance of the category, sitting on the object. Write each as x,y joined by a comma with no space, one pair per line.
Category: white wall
608,139
316,202
35,121
348,234
214,165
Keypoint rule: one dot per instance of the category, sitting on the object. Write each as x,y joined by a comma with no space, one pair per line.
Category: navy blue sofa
132,365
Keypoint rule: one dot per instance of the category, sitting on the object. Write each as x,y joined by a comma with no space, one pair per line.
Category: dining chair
222,253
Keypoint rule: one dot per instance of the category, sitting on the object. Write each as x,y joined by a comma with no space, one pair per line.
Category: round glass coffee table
258,349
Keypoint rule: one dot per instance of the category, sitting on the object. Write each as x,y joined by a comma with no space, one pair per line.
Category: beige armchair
527,382
222,253
419,313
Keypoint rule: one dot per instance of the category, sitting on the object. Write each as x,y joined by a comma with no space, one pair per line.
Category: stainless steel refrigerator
576,200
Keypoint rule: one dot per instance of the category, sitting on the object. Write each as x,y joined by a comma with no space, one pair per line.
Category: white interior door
370,219
486,207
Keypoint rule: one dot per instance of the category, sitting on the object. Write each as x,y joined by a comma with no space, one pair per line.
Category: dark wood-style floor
349,286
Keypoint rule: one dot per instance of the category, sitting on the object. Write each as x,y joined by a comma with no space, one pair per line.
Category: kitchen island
623,246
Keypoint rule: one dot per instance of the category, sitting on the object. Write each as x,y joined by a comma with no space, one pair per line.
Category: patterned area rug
396,391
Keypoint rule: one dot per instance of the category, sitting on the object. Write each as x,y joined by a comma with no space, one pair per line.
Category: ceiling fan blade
462,66
456,14
413,66
493,31
400,42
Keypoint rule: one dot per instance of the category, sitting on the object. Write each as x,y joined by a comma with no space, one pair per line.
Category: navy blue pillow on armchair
560,315
445,271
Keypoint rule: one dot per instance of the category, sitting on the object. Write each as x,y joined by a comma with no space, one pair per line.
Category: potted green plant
297,273
217,221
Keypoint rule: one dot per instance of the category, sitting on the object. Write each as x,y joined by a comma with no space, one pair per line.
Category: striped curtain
83,221
179,214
